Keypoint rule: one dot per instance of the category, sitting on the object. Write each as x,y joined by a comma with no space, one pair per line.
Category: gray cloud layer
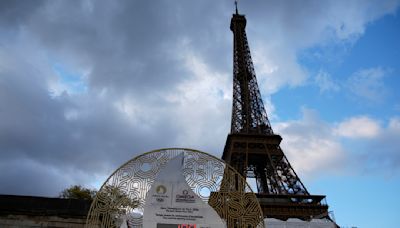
132,57
156,75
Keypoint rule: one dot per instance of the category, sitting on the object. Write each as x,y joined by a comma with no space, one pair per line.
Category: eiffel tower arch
253,149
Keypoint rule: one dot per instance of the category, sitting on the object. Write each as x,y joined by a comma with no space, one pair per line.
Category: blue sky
87,85
377,49
367,197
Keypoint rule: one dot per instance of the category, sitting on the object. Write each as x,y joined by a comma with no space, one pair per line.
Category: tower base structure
279,191
284,207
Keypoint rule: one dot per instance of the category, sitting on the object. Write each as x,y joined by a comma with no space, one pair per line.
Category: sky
87,85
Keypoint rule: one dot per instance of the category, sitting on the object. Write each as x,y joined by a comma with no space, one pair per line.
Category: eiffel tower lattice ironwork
254,150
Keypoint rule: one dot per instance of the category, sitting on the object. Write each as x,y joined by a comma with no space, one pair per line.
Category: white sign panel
171,203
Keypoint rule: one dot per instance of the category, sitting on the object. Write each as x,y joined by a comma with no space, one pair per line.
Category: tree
78,192
112,206
117,201
115,204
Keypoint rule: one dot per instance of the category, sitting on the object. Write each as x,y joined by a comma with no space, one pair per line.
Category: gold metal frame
122,195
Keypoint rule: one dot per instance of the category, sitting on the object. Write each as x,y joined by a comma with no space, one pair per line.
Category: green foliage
115,204
117,201
78,192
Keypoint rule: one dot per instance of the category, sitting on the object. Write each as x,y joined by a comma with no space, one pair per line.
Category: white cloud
310,145
368,84
315,147
275,71
380,154
279,31
325,82
359,127
202,105
394,125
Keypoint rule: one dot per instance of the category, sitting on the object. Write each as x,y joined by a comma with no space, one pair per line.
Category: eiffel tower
253,149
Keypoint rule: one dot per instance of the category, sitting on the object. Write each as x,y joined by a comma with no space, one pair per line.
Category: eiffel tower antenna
236,7
254,150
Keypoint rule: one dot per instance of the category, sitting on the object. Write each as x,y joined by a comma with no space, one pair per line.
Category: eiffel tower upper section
254,150
248,112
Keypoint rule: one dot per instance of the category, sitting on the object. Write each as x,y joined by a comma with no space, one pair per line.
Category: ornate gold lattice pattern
121,198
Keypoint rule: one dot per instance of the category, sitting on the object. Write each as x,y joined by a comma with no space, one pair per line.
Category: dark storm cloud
35,130
122,41
12,13
22,176
129,53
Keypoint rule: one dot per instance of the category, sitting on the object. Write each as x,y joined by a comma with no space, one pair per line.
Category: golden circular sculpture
122,196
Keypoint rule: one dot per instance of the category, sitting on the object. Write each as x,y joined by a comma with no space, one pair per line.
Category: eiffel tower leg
261,178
